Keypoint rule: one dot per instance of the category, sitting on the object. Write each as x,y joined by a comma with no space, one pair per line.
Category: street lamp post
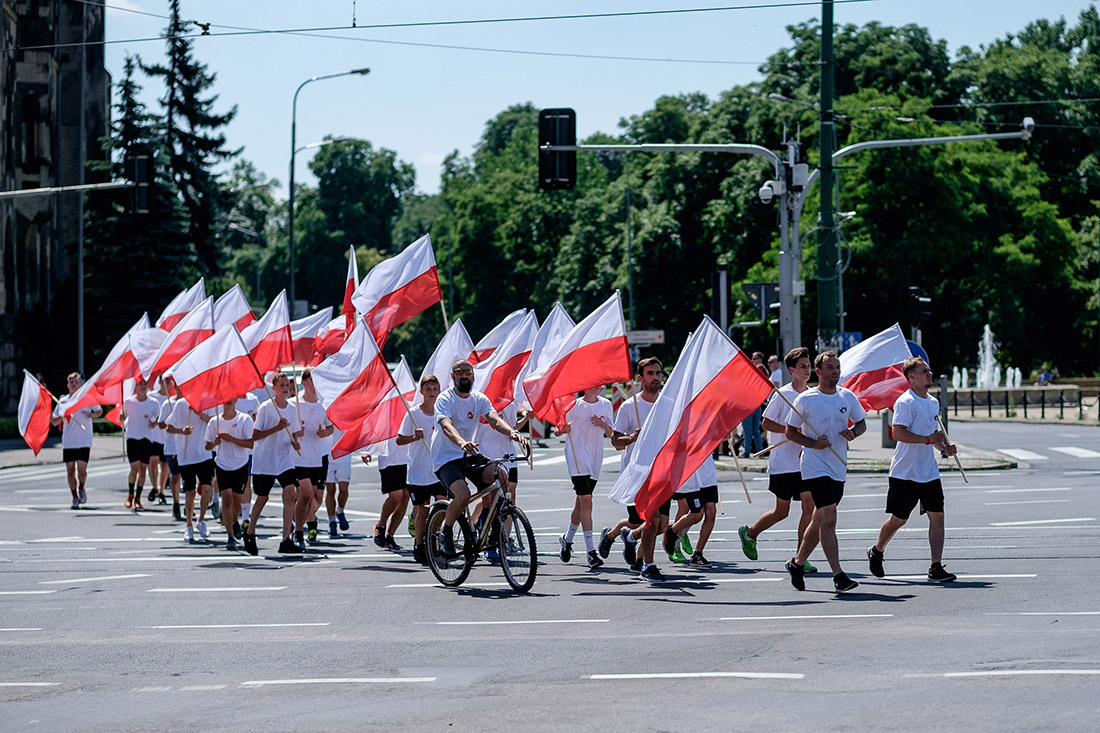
293,150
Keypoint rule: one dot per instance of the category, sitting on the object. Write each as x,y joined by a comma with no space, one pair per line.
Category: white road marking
542,511
965,577
338,680
25,592
1024,491
1023,455
851,511
216,590
24,629
201,688
555,460
89,580
236,626
611,459
513,623
440,585
152,689
789,618
1072,450
1041,521
1034,501
728,580
29,684
1047,613
1021,673
692,675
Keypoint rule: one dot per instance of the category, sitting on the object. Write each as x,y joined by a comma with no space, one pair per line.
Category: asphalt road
110,621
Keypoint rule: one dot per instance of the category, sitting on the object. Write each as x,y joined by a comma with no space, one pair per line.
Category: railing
1008,402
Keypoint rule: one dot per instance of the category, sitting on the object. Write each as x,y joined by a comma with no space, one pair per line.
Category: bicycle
502,526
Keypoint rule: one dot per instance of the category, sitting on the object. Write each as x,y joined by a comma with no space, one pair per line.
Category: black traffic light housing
919,308
557,169
138,169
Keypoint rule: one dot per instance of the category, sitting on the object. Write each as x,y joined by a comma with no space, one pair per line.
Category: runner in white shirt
310,467
336,488
914,473
230,434
170,449
273,456
416,432
819,423
588,422
249,404
784,473
140,415
697,500
393,474
195,462
158,459
76,440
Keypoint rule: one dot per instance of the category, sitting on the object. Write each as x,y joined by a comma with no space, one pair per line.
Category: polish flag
456,344
215,371
353,381
550,336
187,301
382,423
144,345
398,288
872,369
303,335
115,415
349,290
593,353
196,327
233,308
35,409
269,339
496,376
330,339
117,367
712,389
484,348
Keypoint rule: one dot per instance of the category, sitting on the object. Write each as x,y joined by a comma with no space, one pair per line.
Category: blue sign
916,349
847,339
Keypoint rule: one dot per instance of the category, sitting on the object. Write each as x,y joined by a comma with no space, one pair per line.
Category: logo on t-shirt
843,410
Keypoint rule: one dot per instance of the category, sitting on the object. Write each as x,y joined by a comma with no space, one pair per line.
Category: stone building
54,109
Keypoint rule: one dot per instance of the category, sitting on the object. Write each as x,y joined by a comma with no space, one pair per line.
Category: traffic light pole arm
66,189
736,148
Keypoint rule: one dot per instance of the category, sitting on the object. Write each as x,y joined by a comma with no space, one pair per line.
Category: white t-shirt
272,455
776,377
704,476
169,438
785,458
158,434
626,422
829,413
585,439
230,456
314,448
190,449
394,454
464,413
248,405
420,461
76,431
139,413
913,461
494,445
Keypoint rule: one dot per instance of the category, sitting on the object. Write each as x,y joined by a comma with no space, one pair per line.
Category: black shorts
666,508
232,480
138,450
513,475
422,494
904,494
72,455
454,471
632,516
785,486
583,485
173,466
694,501
394,478
197,473
156,451
708,495
826,491
324,473
314,474
262,482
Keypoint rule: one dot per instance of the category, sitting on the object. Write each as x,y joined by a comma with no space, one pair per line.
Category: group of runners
232,458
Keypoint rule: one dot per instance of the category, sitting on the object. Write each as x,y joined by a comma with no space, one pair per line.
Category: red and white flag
303,335
144,345
349,290
330,339
496,376
196,327
105,386
398,288
872,369
383,422
484,348
353,381
217,370
713,387
187,301
269,339
35,409
233,308
592,354
550,336
455,344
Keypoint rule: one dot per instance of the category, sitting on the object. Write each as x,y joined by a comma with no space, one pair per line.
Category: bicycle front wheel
518,556
450,570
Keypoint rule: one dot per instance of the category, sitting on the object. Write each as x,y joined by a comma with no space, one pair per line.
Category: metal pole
723,296
80,207
629,256
826,234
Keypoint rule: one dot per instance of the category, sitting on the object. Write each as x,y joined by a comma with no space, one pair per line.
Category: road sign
847,339
645,338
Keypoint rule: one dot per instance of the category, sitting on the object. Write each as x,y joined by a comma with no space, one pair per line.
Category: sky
424,100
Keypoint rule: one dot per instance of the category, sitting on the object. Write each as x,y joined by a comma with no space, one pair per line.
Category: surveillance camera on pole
771,189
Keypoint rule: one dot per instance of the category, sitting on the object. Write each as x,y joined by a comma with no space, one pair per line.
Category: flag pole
443,307
393,381
807,422
266,388
956,456
741,476
56,401
770,448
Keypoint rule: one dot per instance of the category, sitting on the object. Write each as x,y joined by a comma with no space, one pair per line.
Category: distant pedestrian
588,423
76,439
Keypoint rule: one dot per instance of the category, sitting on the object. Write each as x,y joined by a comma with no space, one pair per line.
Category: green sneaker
678,556
808,568
685,545
412,525
748,546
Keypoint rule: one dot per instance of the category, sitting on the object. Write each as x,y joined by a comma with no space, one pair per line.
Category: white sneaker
83,496
203,531
188,534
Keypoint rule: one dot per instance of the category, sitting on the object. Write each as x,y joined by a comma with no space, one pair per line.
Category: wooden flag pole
446,323
769,449
811,427
741,476
958,463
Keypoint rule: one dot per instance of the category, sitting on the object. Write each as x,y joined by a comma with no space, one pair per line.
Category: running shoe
843,583
287,547
698,561
245,525
237,530
176,513
332,533
637,566
748,546
874,559
938,574
419,555
162,500
493,555
809,567
203,531
129,500
605,542
216,510
76,503
391,545
312,536
653,574
685,545
671,542
447,544
344,526
250,544
153,494
231,544
677,556
137,501
83,496
300,541
189,534
797,572
594,560
630,552
379,535
566,549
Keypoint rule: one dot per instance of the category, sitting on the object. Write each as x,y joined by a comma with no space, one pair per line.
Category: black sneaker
594,560
176,513
391,545
287,547
630,549
300,541
419,555
605,543
937,574
379,535
843,583
237,530
162,500
653,574
332,533
231,544
875,558
698,561
566,551
671,542
447,543
797,574
250,544
636,566
152,494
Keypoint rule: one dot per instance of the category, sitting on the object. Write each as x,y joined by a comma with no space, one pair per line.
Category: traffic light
919,309
557,169
137,169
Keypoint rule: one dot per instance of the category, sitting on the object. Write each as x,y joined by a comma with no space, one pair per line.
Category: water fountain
989,371
956,380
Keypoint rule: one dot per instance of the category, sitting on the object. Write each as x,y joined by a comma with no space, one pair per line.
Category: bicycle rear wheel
518,556
450,571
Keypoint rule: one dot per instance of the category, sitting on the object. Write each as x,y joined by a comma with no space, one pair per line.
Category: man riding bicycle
457,412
